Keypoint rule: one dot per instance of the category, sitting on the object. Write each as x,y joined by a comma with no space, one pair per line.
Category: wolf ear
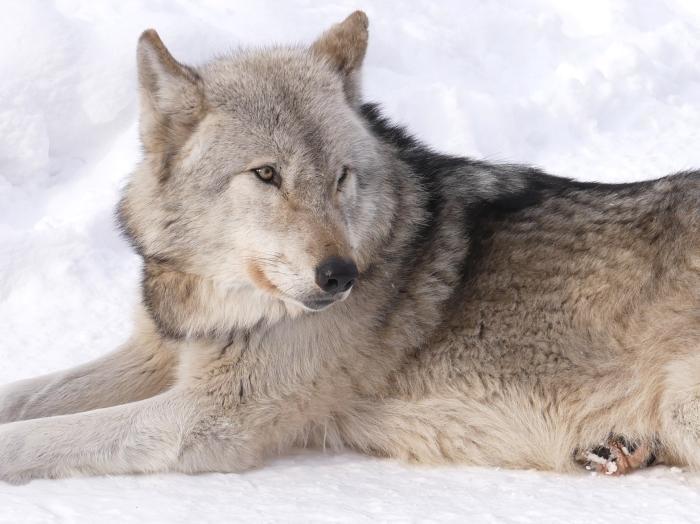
171,94
344,46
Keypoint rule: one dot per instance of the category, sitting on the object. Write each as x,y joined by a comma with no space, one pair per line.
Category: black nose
335,274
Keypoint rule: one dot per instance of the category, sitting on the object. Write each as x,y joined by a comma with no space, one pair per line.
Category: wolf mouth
320,304
316,304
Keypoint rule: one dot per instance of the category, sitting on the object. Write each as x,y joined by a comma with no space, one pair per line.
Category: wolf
315,276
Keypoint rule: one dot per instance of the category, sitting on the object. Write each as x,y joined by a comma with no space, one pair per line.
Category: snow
598,90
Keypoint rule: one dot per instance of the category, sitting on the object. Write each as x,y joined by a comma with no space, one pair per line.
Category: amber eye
343,177
266,174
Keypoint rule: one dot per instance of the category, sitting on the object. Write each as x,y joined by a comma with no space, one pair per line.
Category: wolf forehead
285,97
279,105
262,82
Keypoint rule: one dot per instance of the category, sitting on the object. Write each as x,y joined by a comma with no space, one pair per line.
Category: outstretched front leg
143,367
175,431
138,437
204,423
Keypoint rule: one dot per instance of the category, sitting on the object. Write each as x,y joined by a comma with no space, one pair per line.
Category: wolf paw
617,456
16,479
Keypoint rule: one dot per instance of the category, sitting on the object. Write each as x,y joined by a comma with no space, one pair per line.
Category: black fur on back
431,166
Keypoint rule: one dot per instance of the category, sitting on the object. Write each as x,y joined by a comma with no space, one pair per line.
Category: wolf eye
343,176
267,174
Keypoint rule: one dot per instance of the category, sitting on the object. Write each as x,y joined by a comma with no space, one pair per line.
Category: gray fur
502,317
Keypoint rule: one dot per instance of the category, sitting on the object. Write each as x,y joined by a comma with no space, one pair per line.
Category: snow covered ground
598,90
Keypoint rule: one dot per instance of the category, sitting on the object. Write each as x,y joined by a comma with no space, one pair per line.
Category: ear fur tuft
344,46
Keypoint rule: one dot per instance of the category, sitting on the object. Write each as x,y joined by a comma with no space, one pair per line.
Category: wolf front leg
142,367
174,431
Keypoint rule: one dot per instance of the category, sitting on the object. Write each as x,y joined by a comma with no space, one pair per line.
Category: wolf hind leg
682,431
141,368
446,429
680,412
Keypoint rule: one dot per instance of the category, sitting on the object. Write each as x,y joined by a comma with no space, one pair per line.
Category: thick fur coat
491,314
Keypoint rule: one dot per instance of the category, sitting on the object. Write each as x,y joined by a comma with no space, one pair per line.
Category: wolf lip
319,304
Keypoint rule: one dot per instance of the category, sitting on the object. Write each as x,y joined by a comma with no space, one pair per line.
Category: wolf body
314,276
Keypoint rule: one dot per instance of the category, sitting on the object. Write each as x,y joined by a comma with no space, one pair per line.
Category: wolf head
259,177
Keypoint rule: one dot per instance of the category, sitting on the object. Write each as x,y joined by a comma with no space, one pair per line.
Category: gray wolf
315,276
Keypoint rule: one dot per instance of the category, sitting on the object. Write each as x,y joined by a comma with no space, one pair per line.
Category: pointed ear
171,95
344,46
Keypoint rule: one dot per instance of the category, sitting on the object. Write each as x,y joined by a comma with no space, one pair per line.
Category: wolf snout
336,275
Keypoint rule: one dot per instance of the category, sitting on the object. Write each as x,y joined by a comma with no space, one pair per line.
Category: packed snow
597,90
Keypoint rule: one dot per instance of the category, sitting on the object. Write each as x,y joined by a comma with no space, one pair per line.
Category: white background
597,90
